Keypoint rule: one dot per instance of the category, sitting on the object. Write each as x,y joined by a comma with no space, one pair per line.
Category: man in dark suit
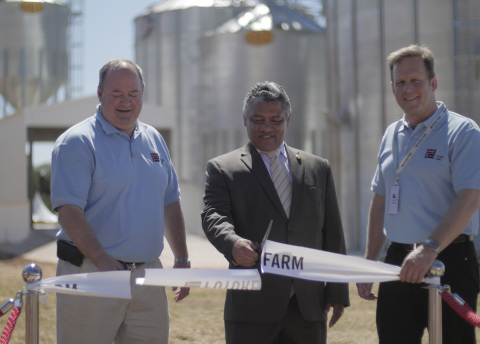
241,198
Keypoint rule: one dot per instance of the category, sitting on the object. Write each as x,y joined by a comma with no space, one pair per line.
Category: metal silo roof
268,16
56,2
171,5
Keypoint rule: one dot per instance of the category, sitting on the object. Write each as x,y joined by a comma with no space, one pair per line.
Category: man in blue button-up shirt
116,193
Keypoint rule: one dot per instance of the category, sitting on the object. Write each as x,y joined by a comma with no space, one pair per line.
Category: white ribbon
246,279
280,259
114,284
317,265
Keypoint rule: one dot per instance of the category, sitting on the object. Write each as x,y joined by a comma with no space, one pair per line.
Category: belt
70,253
462,238
129,265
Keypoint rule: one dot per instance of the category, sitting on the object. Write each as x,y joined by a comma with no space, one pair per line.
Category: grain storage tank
266,42
33,50
361,34
201,57
167,47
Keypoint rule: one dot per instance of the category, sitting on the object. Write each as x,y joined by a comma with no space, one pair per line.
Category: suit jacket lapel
254,162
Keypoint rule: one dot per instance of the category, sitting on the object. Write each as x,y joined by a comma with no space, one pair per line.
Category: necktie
282,182
283,185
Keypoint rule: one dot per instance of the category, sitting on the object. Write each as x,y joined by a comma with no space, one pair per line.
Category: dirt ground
197,319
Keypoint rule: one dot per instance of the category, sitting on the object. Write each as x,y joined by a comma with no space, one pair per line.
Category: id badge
394,198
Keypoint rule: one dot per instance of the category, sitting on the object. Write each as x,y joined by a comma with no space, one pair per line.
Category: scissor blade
265,237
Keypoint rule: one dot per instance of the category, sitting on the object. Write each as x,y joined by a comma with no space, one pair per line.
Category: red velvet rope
463,310
12,321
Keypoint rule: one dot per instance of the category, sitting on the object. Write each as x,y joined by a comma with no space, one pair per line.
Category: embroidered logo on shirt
155,157
430,154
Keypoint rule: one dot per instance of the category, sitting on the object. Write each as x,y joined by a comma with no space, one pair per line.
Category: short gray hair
266,91
117,64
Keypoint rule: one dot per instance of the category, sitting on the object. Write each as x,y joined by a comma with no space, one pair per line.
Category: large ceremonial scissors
265,237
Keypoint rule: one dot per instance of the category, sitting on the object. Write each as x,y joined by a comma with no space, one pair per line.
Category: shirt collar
280,150
440,108
108,128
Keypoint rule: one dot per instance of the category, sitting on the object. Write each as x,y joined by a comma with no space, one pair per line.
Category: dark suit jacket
240,200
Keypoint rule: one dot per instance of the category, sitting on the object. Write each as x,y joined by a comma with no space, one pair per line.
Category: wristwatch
183,260
432,245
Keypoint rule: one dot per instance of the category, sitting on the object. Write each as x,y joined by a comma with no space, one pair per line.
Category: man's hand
108,263
182,292
244,253
337,312
416,265
365,291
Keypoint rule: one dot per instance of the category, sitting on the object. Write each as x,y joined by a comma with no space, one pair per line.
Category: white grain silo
266,42
168,38
33,51
201,57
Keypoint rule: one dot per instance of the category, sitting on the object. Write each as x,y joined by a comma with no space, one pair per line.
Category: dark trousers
293,329
402,308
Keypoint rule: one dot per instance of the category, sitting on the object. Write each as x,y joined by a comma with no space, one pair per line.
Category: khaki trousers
85,319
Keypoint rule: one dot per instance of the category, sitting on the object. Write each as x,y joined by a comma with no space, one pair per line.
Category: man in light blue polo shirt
116,193
427,194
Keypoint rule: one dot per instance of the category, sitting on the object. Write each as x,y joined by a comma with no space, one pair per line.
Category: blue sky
109,33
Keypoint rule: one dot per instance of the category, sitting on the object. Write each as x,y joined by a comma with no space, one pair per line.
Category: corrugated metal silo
168,49
267,42
199,66
33,50
361,34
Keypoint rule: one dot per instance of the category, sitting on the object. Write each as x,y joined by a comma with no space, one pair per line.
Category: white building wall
14,203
